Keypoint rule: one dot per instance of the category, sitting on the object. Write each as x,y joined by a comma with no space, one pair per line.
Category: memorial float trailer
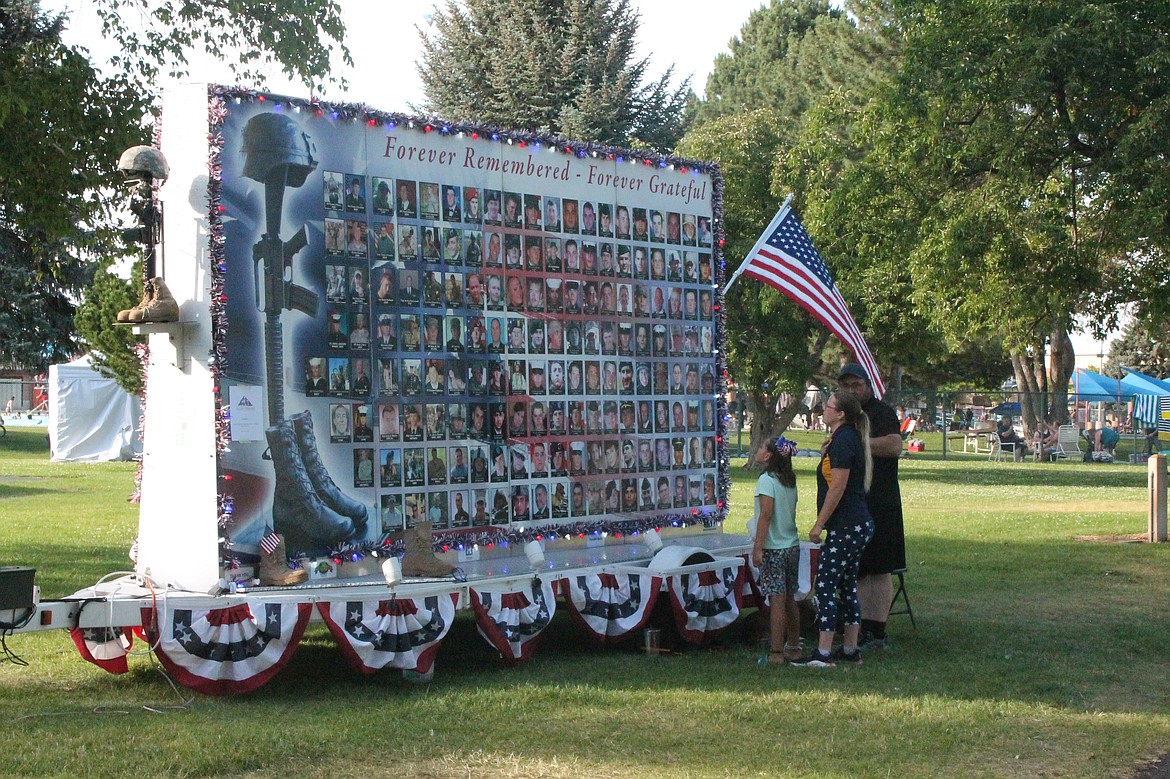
389,323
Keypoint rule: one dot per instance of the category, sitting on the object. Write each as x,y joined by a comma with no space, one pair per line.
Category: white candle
392,570
534,552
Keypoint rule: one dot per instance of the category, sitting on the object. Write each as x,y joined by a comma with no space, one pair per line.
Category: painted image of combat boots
324,485
274,567
420,559
297,510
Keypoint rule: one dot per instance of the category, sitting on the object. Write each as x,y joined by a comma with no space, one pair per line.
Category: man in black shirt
886,551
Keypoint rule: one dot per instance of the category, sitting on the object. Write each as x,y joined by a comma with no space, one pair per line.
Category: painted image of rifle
279,155
275,294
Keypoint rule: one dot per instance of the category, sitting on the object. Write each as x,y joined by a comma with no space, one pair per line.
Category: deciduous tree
64,123
772,345
789,58
1015,143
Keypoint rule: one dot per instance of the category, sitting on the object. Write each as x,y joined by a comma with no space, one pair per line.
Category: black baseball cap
853,369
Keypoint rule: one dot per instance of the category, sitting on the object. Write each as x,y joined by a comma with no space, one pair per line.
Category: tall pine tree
62,128
560,66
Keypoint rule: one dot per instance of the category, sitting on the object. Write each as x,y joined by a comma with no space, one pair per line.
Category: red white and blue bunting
512,620
105,647
611,605
750,594
705,604
230,650
402,633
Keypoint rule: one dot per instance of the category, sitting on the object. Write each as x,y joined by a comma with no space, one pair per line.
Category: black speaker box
16,587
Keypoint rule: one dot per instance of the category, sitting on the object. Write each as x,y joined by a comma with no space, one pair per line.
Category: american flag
785,258
270,543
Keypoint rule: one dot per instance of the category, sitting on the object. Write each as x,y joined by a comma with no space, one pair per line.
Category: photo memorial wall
495,334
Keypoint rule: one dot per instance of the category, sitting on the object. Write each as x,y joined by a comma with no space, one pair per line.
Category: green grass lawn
1036,654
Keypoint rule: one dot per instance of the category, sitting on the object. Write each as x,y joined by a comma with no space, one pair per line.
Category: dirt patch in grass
1158,768
1085,507
1114,538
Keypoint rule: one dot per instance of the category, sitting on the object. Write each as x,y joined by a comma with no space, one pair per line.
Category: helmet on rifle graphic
275,147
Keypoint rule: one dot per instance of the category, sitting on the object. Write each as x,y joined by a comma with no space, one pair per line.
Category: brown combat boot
162,308
274,570
124,316
420,559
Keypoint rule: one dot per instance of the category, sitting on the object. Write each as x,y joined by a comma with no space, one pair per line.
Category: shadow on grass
34,440
1057,624
1024,475
10,489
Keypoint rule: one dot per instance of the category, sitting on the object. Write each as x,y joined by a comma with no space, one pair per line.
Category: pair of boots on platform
157,305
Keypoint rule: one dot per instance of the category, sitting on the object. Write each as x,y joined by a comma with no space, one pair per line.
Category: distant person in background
908,426
1007,435
1151,434
1048,437
1103,440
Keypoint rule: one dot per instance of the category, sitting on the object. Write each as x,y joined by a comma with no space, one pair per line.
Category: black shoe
868,642
841,656
814,660
323,484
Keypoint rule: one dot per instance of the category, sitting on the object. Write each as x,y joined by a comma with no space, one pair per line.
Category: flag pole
784,209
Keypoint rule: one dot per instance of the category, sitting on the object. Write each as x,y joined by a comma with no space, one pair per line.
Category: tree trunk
767,424
1062,363
1043,383
1032,384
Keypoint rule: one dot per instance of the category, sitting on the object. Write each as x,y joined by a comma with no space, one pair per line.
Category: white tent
91,418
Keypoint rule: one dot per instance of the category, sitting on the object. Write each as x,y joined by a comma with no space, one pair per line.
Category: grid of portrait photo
495,357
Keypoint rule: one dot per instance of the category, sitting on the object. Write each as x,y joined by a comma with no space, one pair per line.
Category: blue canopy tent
1141,384
1090,387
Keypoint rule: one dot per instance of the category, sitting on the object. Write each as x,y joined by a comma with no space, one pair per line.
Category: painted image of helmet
275,147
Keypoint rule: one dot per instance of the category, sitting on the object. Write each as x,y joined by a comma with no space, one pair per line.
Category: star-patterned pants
837,574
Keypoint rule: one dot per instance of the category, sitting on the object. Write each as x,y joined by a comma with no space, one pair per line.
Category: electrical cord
6,653
8,628
106,599
183,703
152,645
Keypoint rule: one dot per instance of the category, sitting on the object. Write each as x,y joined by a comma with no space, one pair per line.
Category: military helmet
274,146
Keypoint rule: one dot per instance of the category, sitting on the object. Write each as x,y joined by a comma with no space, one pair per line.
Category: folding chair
901,593
1068,443
999,448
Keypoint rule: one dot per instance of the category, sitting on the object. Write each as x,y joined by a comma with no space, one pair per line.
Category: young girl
777,547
